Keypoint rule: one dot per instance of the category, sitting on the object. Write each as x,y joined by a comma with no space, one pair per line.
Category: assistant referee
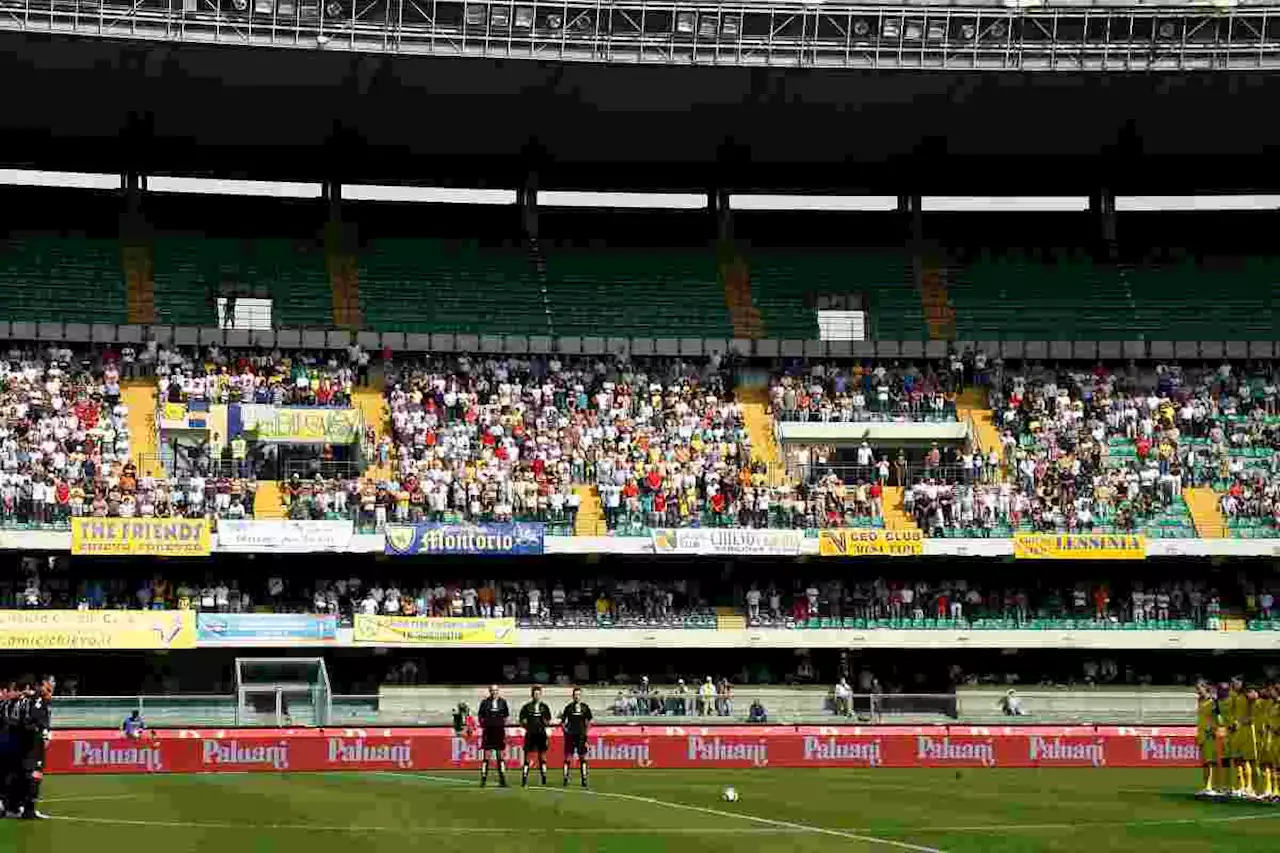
576,720
535,716
493,716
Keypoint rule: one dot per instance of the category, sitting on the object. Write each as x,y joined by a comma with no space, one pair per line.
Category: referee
8,747
535,716
576,719
493,716
36,732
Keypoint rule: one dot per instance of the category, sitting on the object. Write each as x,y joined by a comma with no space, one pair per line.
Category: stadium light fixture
707,26
937,31
731,25
685,22
474,15
286,8
824,203
891,29
263,7
240,5
1167,30
913,31
499,17
968,32
333,9
861,28
61,180
1004,204
555,21
998,30
216,186
524,17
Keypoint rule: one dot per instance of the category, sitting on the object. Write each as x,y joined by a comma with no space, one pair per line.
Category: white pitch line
96,799
804,828
1038,827
428,830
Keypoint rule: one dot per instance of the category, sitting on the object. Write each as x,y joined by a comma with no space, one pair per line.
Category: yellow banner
870,542
434,631
175,412
43,630
1079,546
154,537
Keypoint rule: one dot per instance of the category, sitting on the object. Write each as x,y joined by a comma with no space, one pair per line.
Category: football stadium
639,426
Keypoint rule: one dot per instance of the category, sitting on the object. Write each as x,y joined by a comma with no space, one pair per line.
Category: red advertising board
284,750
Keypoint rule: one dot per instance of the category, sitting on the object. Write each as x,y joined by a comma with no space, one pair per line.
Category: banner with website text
728,541
1079,546
870,542
226,629
115,630
665,747
284,536
141,537
295,425
433,631
491,539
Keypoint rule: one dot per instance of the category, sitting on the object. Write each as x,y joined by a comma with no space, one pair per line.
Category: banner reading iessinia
497,539
728,541
46,630
432,631
283,536
870,542
138,537
221,629
1079,546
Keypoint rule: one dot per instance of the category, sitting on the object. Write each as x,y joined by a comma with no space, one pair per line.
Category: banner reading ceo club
619,747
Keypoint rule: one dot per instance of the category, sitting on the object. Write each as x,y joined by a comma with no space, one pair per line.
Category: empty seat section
633,292
783,281
62,279
1015,297
190,272
422,286
1172,301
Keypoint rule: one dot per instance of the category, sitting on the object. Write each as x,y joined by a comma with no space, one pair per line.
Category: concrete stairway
735,278
1202,502
895,517
938,311
971,405
590,521
140,395
267,504
729,619
373,406
764,441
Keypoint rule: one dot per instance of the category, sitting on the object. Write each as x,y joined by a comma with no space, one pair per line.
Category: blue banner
435,538
250,628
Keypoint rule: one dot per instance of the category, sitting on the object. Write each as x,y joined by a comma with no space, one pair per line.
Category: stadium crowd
826,391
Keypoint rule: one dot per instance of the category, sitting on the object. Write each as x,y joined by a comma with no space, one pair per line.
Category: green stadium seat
56,279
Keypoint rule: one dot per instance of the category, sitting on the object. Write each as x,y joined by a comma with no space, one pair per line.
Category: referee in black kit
535,716
576,719
28,731
493,716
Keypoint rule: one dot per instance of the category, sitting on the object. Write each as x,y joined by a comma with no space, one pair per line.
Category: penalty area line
799,828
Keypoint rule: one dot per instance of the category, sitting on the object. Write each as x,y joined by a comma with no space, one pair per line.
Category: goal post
282,692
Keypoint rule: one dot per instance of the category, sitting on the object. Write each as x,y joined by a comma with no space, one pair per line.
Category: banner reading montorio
495,539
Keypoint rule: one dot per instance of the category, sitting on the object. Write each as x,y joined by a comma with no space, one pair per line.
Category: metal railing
435,706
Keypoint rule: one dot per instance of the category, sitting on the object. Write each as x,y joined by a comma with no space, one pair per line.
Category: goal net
282,692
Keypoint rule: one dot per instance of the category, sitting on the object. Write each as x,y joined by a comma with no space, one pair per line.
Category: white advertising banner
282,536
742,542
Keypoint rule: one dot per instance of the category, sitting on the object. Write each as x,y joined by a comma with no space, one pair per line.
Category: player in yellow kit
1208,728
1267,714
1239,741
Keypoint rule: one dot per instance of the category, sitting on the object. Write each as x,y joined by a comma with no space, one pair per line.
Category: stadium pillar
1102,206
339,253
135,254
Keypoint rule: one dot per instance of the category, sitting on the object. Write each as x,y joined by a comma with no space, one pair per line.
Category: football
730,795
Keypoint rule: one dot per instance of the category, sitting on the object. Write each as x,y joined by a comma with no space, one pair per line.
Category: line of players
1238,731
535,718
24,732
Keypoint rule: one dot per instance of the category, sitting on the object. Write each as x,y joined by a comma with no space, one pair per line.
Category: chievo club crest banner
730,541
491,539
871,542
641,747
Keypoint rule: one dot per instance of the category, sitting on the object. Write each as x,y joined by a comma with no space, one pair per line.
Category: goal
282,692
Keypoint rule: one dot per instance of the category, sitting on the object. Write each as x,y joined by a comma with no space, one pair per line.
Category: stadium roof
304,115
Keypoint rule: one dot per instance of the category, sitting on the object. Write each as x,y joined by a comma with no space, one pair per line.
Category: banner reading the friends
139,537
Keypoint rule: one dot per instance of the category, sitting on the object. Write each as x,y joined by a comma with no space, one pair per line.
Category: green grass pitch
646,811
